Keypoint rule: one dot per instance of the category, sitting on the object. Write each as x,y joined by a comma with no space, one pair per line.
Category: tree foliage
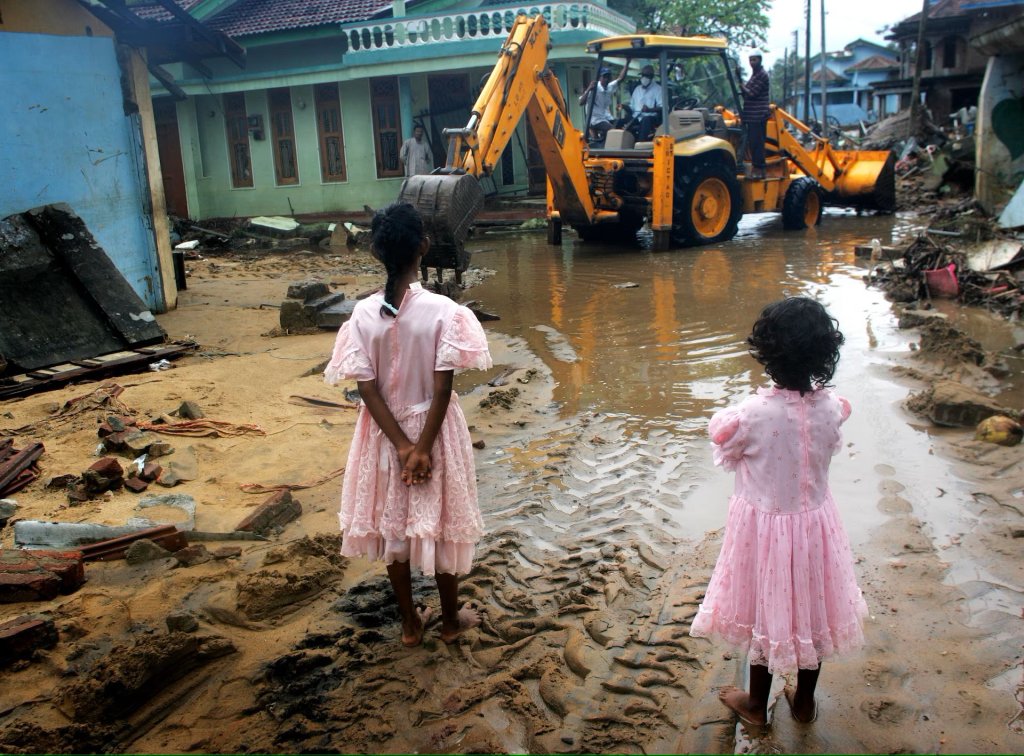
743,22
784,75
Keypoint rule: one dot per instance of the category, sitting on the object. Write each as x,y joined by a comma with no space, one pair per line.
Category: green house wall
300,62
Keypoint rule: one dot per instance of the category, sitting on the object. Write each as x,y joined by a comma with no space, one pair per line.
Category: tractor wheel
801,207
706,202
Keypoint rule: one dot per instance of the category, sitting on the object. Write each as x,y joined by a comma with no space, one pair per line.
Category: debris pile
957,264
933,164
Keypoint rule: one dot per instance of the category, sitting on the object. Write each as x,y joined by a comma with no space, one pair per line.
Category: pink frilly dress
783,589
433,525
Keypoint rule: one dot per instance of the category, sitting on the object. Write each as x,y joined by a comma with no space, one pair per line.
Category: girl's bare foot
739,701
804,712
413,636
466,618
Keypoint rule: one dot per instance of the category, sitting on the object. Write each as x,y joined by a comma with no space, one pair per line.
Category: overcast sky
845,21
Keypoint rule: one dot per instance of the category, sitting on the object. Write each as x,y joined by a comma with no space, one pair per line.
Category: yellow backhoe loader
686,182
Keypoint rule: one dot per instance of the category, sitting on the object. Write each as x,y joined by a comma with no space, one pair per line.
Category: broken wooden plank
115,363
167,536
12,469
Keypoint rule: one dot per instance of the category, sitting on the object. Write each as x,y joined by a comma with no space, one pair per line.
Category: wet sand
602,535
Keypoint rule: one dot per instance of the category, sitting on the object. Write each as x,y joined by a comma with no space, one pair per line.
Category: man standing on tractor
645,103
755,113
606,86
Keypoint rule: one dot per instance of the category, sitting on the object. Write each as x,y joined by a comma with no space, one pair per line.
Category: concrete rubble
311,304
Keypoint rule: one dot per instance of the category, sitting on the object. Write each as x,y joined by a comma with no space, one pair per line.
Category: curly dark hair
397,231
798,343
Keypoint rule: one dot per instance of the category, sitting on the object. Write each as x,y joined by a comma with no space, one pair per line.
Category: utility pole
807,66
915,91
785,78
791,105
824,76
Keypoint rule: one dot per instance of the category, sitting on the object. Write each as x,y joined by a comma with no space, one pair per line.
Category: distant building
849,76
952,72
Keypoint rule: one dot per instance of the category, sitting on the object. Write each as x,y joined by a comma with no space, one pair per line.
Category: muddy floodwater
654,343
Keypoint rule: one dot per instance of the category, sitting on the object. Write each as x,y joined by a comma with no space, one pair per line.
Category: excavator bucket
448,202
867,180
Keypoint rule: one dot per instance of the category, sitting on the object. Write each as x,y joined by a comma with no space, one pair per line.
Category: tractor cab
692,81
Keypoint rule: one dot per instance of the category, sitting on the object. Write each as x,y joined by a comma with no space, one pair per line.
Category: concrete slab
61,297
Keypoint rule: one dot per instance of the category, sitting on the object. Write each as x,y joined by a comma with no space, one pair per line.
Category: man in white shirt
646,105
416,155
603,90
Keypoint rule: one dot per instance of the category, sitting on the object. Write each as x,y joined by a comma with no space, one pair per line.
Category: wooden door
168,144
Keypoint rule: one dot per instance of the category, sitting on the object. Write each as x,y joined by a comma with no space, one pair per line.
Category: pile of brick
29,575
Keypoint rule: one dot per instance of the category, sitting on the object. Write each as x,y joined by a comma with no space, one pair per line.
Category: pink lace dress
783,589
434,525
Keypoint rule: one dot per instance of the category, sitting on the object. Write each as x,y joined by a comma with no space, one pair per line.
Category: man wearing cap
755,113
646,105
603,89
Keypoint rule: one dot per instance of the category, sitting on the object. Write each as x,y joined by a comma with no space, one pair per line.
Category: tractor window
698,82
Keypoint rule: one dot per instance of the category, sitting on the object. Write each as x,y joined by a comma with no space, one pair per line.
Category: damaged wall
67,139
1000,128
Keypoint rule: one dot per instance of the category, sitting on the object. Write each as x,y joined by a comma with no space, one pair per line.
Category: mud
604,519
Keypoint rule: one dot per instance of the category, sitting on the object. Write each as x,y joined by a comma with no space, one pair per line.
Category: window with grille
387,125
238,140
282,131
328,124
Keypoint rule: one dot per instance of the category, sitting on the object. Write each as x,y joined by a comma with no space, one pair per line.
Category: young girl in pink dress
783,589
409,496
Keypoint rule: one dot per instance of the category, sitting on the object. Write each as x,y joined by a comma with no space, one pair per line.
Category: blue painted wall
64,138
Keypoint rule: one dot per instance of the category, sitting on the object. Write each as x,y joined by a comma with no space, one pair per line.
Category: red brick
27,575
108,467
151,471
273,513
28,586
20,637
138,485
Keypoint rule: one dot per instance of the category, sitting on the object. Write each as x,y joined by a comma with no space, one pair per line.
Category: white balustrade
483,23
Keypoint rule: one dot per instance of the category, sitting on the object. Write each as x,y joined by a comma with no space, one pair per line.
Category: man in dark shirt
755,113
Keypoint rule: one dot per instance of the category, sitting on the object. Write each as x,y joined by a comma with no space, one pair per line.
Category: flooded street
603,517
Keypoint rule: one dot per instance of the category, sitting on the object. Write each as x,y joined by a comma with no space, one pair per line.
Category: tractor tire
802,205
706,202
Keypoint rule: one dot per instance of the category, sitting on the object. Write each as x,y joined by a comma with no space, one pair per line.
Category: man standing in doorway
645,103
755,113
416,155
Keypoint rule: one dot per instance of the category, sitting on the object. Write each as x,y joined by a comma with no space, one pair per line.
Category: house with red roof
331,89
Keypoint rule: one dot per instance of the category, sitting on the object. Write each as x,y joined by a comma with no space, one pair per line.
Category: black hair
798,343
397,234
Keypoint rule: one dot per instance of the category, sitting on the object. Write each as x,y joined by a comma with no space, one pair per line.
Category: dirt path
584,645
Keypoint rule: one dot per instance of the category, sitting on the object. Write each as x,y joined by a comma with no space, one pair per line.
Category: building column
165,290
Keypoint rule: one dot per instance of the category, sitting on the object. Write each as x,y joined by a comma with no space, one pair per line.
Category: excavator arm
519,84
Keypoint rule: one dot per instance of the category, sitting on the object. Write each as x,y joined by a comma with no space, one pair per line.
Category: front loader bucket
867,180
448,204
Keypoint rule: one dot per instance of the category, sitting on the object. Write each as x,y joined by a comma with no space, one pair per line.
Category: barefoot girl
409,496
783,588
